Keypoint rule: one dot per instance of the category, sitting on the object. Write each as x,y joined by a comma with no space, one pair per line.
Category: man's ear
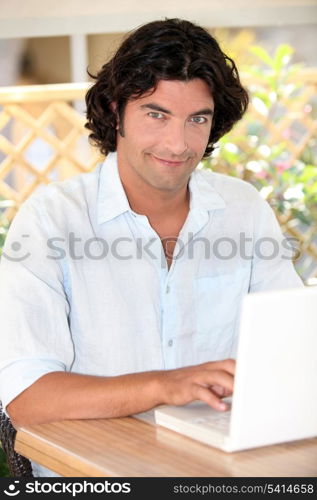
113,107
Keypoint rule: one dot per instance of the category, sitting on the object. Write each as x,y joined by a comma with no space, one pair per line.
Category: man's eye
199,119
155,114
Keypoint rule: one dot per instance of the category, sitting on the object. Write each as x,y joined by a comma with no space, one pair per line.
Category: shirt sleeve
273,253
34,309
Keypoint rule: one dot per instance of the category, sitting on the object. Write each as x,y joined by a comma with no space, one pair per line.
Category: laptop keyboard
219,421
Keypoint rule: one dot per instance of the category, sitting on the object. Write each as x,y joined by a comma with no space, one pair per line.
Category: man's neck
145,199
155,203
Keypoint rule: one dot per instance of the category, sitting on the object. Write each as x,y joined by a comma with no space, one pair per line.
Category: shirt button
170,343
168,288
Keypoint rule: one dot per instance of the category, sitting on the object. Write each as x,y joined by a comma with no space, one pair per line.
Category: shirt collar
113,201
203,195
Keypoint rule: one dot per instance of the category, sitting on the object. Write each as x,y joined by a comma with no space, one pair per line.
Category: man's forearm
63,396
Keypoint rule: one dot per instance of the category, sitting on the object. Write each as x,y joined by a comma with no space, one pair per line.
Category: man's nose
175,139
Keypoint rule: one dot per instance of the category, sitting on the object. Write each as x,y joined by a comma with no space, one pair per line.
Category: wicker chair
19,466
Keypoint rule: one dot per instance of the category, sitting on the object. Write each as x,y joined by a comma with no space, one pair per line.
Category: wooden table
127,447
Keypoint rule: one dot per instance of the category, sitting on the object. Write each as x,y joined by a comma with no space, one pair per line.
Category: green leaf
262,54
277,149
264,98
282,56
310,172
4,470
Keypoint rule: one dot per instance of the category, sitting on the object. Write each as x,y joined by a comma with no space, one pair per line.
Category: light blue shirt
84,284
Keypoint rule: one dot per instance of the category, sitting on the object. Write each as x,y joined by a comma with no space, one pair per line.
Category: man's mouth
168,162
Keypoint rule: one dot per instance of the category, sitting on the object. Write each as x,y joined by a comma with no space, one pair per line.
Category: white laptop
275,387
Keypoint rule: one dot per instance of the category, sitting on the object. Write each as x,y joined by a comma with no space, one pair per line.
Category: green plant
4,471
4,223
3,232
270,154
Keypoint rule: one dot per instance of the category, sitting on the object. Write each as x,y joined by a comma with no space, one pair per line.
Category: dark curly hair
172,49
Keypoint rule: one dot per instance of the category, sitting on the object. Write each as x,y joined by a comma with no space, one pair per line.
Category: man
128,293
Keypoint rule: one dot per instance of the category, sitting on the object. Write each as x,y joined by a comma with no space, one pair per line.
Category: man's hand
208,382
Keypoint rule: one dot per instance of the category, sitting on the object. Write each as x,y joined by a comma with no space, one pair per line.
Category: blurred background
46,48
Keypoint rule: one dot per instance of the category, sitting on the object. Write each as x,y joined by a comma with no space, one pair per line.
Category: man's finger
220,391
204,394
218,378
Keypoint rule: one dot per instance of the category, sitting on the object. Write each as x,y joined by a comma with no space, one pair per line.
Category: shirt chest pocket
217,306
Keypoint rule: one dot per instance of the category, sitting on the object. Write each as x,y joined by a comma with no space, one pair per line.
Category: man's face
165,134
